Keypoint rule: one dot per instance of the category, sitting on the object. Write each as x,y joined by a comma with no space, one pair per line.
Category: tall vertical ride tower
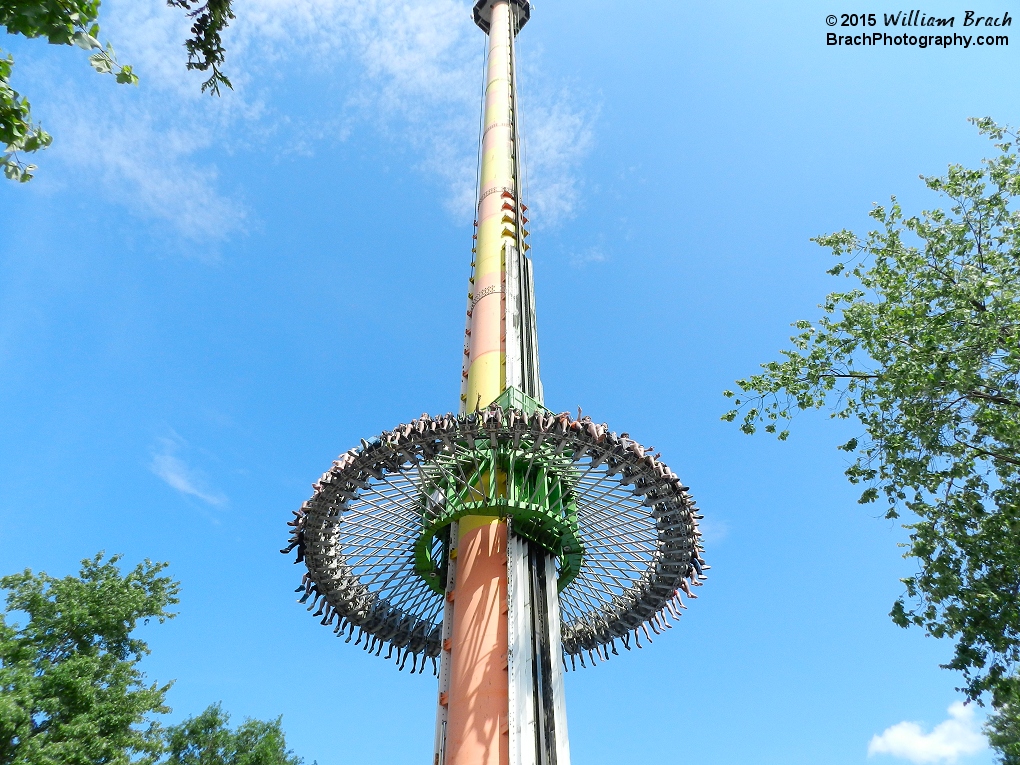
502,694
504,541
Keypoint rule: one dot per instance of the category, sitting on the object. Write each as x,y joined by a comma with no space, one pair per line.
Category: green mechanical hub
535,488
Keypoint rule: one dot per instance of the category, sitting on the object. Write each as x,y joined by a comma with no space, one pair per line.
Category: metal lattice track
635,520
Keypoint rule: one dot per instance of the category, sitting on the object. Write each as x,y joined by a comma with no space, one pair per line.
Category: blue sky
203,302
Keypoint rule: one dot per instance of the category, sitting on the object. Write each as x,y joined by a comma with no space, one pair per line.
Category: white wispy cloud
148,165
959,736
411,71
713,530
587,257
178,474
558,135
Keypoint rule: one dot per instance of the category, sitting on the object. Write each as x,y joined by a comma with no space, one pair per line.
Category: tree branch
986,453
989,397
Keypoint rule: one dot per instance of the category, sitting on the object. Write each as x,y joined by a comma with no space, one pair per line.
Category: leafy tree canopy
923,353
74,22
70,688
71,692
207,740
1003,727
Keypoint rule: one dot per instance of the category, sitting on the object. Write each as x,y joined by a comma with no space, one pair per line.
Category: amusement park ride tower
503,541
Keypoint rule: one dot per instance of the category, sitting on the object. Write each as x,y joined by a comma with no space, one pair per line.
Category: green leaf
85,41
868,495
101,63
126,76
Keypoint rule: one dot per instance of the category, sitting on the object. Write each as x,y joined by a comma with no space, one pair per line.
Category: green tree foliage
207,740
205,47
1003,727
923,352
71,692
73,22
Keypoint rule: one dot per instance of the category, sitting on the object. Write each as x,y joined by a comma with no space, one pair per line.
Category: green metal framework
534,486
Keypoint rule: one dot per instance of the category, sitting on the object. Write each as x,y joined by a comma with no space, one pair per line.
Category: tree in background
70,688
1003,727
74,22
71,692
206,740
923,352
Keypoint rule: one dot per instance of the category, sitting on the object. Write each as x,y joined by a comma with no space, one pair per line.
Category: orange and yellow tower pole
474,714
477,725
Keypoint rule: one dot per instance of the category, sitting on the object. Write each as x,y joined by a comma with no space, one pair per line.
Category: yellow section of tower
477,728
487,370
